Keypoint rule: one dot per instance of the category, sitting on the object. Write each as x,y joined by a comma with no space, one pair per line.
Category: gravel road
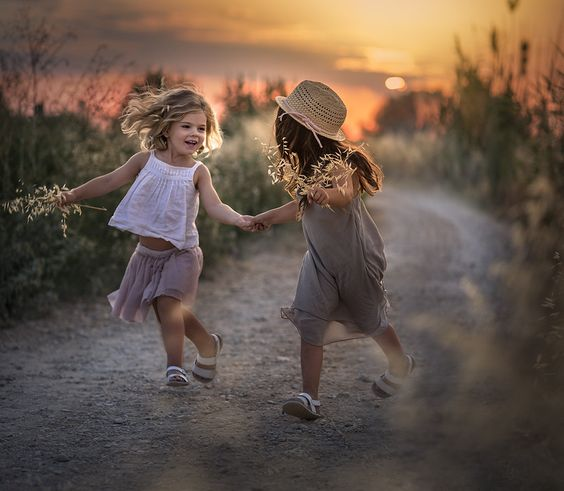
83,404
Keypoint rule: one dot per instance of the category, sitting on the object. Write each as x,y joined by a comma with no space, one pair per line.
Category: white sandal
204,369
387,384
302,406
176,376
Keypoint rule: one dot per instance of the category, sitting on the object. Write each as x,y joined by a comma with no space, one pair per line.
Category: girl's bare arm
108,182
212,203
282,214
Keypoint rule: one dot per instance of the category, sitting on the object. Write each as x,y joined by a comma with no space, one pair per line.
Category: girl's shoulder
134,164
140,159
200,168
201,171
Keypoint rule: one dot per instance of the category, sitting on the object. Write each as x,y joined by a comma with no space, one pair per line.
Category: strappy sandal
176,376
302,406
387,384
204,369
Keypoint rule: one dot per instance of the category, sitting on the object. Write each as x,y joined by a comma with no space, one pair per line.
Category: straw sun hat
317,107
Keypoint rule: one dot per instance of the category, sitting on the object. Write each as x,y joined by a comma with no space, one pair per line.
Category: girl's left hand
319,196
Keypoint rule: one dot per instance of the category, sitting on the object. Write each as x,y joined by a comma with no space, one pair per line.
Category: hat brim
281,101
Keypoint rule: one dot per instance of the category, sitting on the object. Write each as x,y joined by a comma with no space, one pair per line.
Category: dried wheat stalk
332,170
44,201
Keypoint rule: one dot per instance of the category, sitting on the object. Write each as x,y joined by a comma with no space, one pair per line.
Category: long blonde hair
149,114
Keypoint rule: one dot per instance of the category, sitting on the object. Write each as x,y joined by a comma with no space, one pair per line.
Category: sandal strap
312,403
211,360
386,386
208,361
394,379
389,384
176,370
176,374
208,373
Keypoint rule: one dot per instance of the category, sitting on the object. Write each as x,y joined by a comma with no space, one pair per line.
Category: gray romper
340,293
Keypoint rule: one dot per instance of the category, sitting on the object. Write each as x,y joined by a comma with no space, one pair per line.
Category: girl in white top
174,127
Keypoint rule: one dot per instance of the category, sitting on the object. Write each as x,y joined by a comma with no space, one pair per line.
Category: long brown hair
292,137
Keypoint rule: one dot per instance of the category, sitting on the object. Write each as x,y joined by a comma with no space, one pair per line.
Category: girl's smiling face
186,137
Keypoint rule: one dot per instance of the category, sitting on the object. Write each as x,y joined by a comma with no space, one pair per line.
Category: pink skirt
151,274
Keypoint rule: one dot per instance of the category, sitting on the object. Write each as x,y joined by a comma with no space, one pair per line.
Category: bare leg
392,348
196,332
312,360
169,314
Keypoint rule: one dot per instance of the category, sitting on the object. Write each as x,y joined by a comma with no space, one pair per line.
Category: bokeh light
395,83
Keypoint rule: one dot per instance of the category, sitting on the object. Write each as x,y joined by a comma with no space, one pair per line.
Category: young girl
174,127
340,294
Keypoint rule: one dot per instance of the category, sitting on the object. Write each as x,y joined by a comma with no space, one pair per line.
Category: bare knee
167,308
187,313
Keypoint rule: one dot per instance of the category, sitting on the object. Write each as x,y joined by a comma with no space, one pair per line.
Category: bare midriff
155,243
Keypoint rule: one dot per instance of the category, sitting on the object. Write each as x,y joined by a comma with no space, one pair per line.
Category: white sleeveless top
162,202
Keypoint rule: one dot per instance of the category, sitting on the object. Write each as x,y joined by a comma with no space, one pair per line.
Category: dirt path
83,405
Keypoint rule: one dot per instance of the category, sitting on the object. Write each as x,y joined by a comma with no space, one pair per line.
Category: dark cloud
126,32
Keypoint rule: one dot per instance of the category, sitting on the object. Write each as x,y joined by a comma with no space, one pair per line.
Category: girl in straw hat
175,127
340,294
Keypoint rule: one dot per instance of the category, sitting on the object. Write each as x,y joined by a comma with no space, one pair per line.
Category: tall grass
500,141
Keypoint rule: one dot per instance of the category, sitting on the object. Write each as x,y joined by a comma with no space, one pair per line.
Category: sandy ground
84,406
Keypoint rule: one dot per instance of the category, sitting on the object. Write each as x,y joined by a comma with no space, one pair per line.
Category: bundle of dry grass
331,170
44,201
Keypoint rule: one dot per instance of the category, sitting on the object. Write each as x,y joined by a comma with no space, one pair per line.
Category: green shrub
39,266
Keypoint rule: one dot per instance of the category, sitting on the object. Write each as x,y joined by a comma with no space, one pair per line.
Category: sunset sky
354,45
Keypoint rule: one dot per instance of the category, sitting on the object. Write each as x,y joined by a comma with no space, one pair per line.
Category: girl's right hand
318,195
67,198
